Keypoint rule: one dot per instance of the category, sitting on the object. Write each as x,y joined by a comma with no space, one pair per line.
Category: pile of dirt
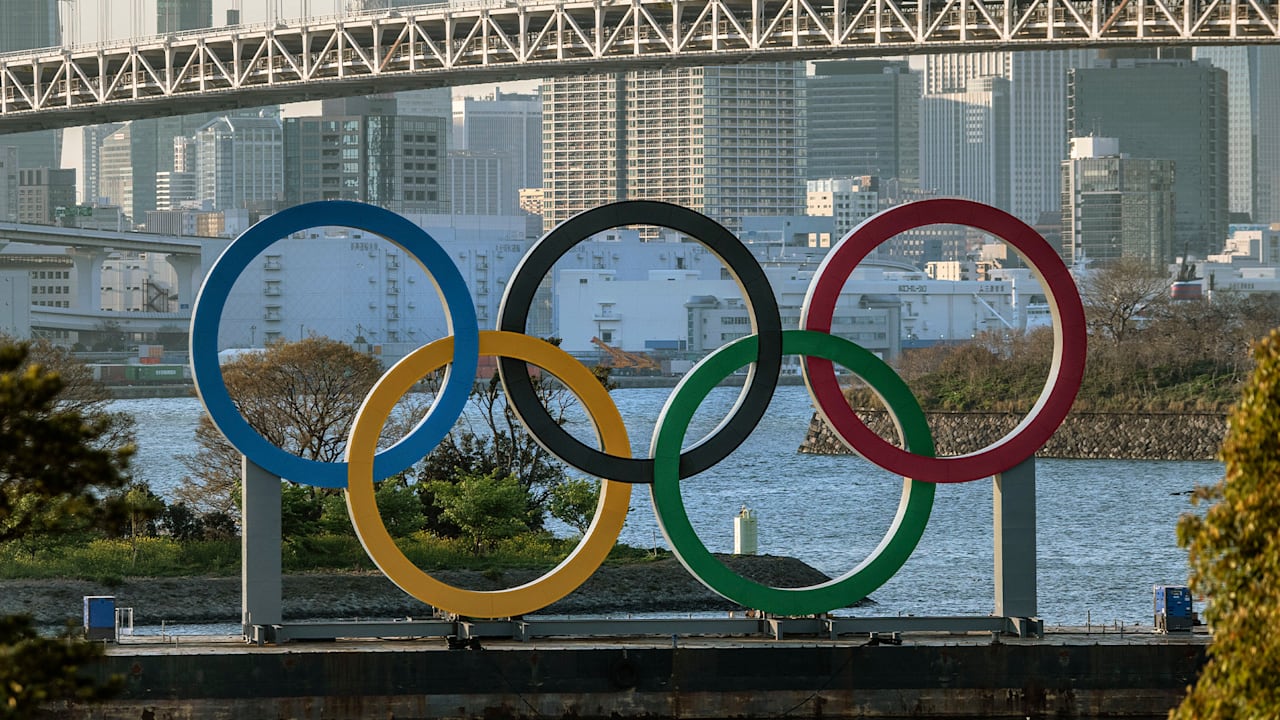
659,586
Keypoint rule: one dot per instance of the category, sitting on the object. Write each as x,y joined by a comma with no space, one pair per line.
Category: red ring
1069,341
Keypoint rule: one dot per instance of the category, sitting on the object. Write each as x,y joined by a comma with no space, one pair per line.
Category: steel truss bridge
477,42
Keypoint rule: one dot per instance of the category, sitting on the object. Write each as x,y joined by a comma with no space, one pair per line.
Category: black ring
762,377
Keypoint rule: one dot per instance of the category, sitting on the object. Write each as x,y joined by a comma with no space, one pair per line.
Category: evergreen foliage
57,470
1234,551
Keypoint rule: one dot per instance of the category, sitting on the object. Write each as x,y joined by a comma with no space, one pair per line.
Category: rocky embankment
1156,436
660,586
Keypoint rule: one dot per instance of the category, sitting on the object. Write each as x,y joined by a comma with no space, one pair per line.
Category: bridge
88,250
465,43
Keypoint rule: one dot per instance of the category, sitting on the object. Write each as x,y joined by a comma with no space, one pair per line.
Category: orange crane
628,363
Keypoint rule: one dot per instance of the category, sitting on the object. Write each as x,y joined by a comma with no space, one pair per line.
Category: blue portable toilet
100,617
1173,608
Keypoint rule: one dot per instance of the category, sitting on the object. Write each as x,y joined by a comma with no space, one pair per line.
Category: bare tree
1119,293
300,396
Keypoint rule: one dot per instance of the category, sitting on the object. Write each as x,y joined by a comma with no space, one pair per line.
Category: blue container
100,617
1172,608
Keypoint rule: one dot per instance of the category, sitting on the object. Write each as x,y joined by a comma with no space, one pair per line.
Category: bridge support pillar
1015,541
88,265
187,268
260,584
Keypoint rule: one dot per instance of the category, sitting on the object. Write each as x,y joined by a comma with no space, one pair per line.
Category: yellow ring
599,539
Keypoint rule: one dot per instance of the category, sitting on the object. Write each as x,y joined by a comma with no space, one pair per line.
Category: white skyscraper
503,123
1037,108
964,142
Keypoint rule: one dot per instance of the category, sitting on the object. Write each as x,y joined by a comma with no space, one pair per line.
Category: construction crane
628,363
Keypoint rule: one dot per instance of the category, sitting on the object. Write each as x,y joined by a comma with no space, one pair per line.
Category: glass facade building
1171,109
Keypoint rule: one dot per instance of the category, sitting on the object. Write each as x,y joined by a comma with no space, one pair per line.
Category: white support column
188,269
1014,494
88,265
260,583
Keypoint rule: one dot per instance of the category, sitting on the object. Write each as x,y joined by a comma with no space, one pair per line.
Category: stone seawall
1171,436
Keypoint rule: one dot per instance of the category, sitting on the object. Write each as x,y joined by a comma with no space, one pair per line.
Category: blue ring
207,316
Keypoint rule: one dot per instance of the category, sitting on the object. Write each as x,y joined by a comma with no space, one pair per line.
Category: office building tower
184,154
505,123
24,25
964,142
482,183
431,102
178,15
175,190
862,117
1266,167
115,169
90,151
1037,115
1253,99
240,163
1114,205
363,149
725,141
151,151
1169,109
8,183
847,201
44,194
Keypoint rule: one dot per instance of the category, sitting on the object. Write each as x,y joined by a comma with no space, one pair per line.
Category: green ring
871,573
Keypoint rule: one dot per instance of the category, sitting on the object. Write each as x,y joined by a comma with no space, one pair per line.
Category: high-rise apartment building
27,24
1172,109
862,117
584,139
1114,205
177,15
362,149
964,148
42,191
1037,108
240,163
1253,97
725,141
506,123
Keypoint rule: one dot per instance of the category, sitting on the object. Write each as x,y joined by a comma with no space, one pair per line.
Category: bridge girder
496,40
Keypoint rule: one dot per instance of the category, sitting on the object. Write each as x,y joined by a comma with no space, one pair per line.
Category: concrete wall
614,679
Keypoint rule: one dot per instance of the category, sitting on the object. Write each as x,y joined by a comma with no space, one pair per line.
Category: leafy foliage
56,463
1234,552
487,508
492,441
573,502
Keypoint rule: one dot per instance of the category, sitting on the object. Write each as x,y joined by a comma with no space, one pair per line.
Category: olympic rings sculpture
667,465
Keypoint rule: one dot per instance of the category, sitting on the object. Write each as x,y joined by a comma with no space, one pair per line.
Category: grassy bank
110,560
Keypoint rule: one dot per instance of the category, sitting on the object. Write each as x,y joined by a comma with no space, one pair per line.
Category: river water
1105,528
